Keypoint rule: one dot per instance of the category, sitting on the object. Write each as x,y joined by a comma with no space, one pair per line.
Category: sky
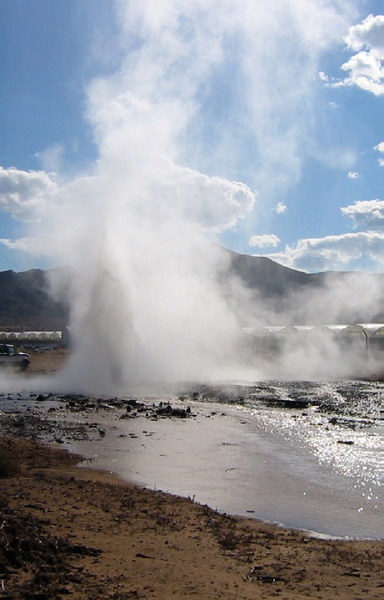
260,123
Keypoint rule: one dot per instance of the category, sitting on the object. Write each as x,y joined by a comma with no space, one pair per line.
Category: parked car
10,357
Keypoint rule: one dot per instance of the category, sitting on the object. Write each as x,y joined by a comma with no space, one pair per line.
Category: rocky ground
70,532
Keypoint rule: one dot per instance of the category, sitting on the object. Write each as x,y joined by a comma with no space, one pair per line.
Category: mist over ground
187,320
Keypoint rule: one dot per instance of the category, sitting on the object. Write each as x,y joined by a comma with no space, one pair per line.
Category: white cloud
353,175
380,148
212,202
368,214
281,208
369,33
35,246
365,67
349,251
362,250
366,72
26,194
264,241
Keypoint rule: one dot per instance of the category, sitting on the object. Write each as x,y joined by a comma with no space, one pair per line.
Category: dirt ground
70,532
47,361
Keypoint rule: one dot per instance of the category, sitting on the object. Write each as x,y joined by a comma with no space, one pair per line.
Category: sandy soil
47,361
68,532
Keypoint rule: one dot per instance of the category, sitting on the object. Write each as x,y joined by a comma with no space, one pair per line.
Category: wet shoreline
191,445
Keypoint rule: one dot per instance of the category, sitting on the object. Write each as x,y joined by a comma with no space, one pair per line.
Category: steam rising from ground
146,285
143,283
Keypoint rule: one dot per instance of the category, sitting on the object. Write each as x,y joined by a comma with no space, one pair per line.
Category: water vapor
145,279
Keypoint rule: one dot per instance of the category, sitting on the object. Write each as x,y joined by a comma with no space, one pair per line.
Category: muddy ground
76,533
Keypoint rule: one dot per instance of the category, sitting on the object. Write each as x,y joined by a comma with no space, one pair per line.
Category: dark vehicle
9,357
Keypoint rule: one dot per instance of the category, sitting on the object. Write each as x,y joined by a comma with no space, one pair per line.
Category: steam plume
138,234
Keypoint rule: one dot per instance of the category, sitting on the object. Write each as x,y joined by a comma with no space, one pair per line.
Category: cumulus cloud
35,246
264,241
369,33
365,67
352,175
368,214
281,208
336,252
350,251
380,148
26,194
364,249
212,202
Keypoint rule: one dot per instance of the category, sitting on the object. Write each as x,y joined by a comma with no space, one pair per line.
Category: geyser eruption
143,283
137,237
146,304
144,274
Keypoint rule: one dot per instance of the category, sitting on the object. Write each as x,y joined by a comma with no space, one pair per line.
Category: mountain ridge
274,292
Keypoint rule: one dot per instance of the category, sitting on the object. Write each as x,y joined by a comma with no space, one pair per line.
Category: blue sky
261,123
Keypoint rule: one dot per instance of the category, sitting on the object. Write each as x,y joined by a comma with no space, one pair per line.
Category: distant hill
279,295
268,277
25,302
275,295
